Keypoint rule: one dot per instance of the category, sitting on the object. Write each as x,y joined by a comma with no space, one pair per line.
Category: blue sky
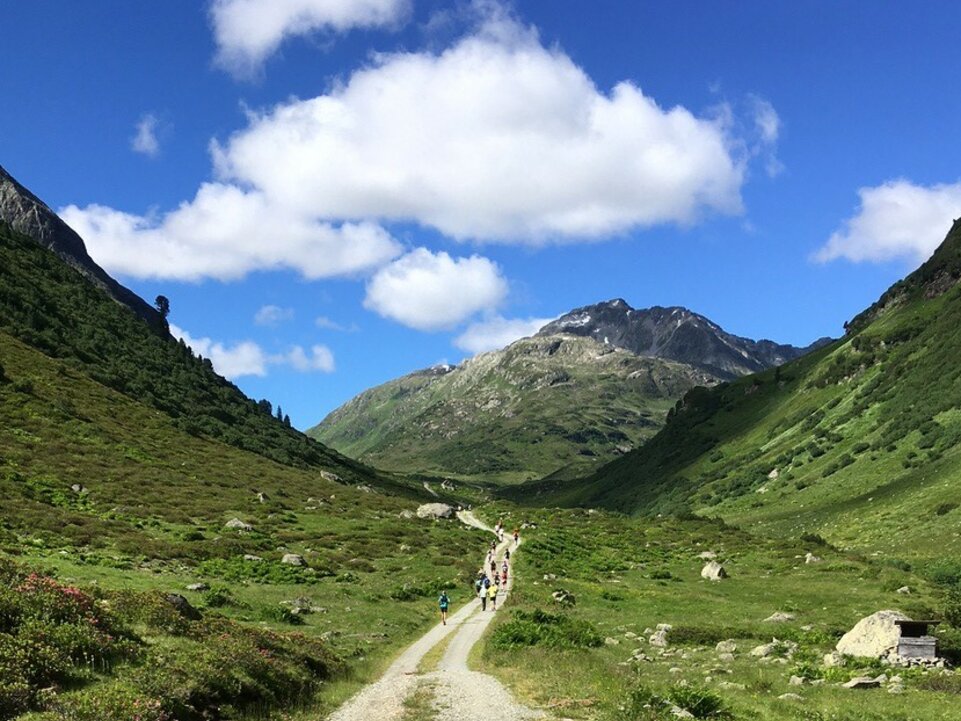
334,193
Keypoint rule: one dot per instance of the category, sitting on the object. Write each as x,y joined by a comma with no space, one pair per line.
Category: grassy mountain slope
542,405
49,305
858,442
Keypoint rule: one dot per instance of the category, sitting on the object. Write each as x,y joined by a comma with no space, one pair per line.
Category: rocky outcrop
27,214
435,510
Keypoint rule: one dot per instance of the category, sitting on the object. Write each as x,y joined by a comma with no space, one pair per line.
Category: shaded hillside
27,214
51,306
675,334
858,442
542,405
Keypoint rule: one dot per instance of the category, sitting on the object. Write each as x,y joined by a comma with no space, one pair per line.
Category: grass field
627,576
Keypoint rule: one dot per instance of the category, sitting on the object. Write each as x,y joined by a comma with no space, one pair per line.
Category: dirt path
459,691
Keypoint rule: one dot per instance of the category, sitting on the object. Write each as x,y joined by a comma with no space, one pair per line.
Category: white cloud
273,315
320,359
247,358
145,140
497,332
247,32
226,233
432,291
897,219
496,138
242,359
326,323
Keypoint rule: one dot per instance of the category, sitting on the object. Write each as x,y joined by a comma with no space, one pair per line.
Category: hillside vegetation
556,404
857,442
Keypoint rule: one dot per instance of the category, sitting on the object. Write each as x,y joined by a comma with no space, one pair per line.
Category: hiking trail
458,691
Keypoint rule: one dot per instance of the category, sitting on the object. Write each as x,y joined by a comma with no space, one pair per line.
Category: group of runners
489,581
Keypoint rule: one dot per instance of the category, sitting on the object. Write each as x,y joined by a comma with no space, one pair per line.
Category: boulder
873,636
659,637
726,657
293,559
811,558
563,597
197,587
182,606
775,648
713,571
252,557
833,659
550,577
239,525
78,488
329,476
865,682
435,510
904,590
796,681
406,514
707,555
726,646
780,617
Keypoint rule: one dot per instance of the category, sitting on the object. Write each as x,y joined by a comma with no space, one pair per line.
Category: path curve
459,691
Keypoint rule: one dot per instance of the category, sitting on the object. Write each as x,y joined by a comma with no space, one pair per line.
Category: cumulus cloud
241,359
495,138
433,291
497,332
247,32
145,139
226,232
273,315
897,219
320,359
247,358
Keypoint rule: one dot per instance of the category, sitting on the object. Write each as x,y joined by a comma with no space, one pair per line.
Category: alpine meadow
414,360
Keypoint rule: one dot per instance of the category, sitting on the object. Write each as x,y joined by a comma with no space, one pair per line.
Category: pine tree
287,421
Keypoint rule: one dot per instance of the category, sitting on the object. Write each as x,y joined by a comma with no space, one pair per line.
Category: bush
218,597
539,628
944,509
643,704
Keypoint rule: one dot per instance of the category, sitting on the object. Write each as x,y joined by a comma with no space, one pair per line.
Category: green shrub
643,704
539,628
944,508
218,597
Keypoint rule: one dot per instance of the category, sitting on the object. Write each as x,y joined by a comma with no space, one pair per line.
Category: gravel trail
460,692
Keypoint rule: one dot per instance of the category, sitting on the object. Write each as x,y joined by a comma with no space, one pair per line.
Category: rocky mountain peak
27,214
675,333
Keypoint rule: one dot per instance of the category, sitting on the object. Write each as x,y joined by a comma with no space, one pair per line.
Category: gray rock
713,571
659,637
330,476
293,559
252,557
406,514
833,659
726,646
550,577
611,641
78,488
796,681
780,617
182,606
811,558
198,587
873,636
239,525
563,597
864,682
725,657
707,555
790,697
435,510
904,590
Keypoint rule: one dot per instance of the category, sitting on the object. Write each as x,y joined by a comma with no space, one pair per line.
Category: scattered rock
713,571
726,646
773,475
364,488
252,557
611,641
659,637
78,488
707,555
731,686
790,697
330,476
182,606
679,712
725,657
811,558
864,682
904,590
406,514
873,636
783,649
565,598
293,559
239,525
833,659
435,510
796,681
550,577
263,497
675,669
198,587
780,617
